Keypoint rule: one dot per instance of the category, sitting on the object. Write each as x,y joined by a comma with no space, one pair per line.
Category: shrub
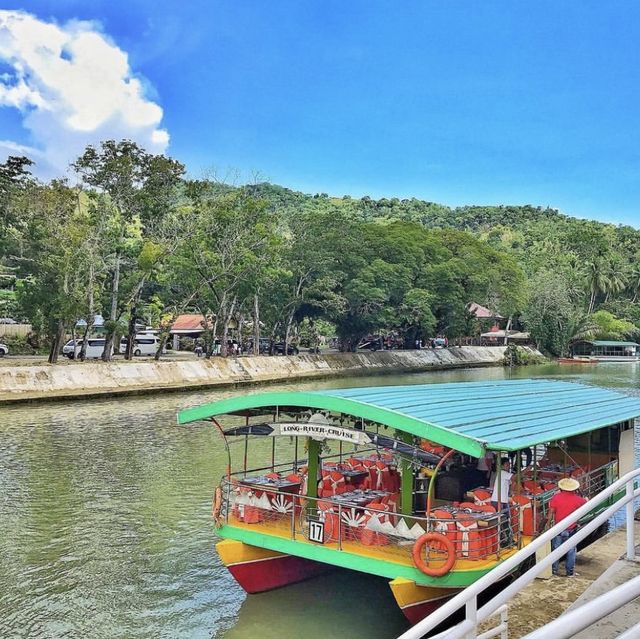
518,356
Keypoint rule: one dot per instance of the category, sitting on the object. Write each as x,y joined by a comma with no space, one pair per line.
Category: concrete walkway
598,568
623,618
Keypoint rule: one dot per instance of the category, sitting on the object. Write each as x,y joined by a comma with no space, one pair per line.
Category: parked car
4,350
7,320
95,347
143,344
278,349
373,343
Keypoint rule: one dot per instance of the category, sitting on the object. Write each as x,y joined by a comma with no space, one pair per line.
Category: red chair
489,534
481,496
294,478
444,524
354,463
525,515
469,541
330,519
338,485
369,537
532,487
382,480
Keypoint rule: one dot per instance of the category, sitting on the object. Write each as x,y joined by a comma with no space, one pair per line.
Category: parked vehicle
278,349
7,320
372,342
4,350
95,347
143,344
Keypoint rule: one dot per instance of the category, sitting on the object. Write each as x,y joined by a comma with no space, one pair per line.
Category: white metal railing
468,598
632,633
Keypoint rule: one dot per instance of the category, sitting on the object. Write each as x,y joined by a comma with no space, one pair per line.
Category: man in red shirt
562,504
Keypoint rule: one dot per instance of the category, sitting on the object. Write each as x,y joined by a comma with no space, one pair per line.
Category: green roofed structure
606,350
471,417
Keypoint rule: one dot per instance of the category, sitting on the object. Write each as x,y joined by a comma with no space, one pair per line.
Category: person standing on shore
562,504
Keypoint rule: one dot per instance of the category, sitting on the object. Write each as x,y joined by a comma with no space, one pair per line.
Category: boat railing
371,523
468,598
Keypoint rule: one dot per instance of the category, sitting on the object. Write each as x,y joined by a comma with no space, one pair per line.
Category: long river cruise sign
319,431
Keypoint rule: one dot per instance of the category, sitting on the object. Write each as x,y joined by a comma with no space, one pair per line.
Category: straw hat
568,484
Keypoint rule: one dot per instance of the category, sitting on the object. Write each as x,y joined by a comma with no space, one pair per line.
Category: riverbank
93,379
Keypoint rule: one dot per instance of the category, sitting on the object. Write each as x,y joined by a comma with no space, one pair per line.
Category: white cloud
73,87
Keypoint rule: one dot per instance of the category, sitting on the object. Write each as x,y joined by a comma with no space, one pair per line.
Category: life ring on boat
216,506
422,565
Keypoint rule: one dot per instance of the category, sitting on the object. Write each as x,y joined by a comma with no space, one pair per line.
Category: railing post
293,516
504,620
631,547
228,504
339,526
471,611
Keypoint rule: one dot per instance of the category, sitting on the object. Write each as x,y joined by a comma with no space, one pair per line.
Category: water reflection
105,529
342,602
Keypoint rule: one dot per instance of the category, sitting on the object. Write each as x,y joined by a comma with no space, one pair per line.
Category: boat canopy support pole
313,447
406,478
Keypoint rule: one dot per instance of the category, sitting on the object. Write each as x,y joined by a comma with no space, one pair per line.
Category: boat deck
393,558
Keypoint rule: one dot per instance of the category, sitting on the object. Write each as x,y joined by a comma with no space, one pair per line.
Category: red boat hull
418,612
417,602
260,570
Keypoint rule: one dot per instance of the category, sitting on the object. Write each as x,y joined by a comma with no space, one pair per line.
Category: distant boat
606,350
577,360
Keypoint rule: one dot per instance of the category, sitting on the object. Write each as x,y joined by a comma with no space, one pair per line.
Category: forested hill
538,235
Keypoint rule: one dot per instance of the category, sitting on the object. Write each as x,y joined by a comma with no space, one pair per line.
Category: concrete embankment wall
78,379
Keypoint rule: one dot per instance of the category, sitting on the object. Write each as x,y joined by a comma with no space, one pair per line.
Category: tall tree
138,186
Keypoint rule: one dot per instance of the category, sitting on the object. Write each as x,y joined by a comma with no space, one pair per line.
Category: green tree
139,186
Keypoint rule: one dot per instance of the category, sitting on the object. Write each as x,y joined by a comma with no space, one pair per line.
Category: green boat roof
468,416
604,342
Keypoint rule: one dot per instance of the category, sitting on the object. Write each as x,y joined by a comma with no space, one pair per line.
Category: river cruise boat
395,481
600,350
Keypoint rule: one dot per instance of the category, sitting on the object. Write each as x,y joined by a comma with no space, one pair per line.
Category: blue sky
455,102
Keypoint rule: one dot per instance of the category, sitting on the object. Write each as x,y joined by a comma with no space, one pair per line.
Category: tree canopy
133,238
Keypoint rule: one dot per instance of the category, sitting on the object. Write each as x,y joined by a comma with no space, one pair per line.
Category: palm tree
616,278
633,283
597,281
577,326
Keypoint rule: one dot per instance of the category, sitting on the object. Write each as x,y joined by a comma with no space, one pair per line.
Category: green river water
105,527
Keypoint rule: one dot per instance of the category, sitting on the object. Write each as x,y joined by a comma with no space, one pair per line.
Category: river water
105,528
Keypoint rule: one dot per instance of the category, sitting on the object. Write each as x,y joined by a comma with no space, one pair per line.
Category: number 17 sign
316,531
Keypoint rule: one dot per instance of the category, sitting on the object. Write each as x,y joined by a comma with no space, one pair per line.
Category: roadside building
190,325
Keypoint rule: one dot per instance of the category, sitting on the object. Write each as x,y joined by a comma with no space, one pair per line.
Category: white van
95,347
143,344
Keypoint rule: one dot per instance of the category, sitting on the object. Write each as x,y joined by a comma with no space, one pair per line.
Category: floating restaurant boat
600,350
386,480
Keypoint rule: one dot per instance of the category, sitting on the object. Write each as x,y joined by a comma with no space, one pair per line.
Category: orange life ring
216,507
420,563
